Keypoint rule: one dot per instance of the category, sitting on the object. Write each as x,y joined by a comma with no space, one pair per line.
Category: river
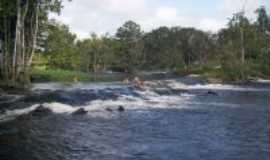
171,119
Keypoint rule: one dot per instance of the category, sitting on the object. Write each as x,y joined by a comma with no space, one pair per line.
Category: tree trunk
29,57
23,34
34,35
1,60
243,52
5,52
95,66
17,42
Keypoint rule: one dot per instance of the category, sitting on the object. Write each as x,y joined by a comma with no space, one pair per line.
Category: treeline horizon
30,42
239,51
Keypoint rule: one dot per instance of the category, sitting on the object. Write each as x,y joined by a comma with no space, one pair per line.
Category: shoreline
191,79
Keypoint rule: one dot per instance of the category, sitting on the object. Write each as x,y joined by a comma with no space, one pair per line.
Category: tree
240,22
263,21
176,47
60,48
262,39
156,45
130,50
96,52
20,21
85,51
239,42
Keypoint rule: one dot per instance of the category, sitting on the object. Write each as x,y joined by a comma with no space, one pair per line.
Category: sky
105,16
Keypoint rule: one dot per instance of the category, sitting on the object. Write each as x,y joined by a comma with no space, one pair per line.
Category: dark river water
170,120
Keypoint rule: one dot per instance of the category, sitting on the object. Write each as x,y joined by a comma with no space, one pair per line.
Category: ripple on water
189,125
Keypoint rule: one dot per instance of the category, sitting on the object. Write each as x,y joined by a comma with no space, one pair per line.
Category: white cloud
101,16
130,7
167,13
209,24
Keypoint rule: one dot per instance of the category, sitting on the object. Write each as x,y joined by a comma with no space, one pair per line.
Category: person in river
126,81
138,83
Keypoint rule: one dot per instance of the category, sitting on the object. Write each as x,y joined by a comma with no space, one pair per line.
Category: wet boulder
41,111
80,111
121,109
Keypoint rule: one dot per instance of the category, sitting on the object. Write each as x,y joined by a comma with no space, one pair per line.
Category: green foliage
177,47
255,42
265,62
97,53
21,28
44,74
130,48
184,50
263,21
60,48
40,74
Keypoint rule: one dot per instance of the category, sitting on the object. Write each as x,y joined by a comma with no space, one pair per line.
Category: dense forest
22,26
30,40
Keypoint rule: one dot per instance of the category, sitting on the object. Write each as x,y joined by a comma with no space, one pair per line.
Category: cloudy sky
102,16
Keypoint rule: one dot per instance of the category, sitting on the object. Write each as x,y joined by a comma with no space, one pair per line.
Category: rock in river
80,111
121,109
40,111
109,109
212,93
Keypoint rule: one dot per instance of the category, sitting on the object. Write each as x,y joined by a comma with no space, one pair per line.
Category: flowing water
169,120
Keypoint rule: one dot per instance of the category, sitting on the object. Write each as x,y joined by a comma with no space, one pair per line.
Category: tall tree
60,48
20,21
263,21
130,50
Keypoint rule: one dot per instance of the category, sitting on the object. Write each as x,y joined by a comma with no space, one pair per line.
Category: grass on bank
214,72
43,74
228,74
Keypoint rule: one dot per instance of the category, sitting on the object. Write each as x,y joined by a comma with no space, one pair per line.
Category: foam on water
57,108
12,114
179,85
187,95
227,87
144,100
260,80
176,85
60,108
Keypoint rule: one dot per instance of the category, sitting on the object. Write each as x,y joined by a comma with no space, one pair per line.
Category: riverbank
199,76
69,76
217,75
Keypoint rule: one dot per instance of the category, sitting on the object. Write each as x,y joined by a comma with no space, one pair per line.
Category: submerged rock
80,111
212,93
2,92
121,109
109,109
